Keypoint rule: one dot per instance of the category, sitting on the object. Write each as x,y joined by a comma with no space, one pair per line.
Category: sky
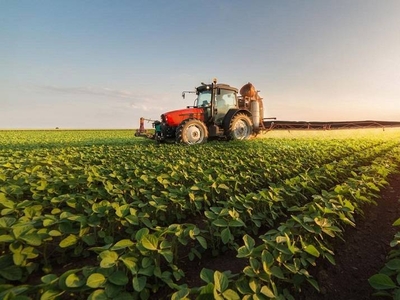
104,64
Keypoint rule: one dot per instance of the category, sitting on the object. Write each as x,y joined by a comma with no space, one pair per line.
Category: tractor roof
218,86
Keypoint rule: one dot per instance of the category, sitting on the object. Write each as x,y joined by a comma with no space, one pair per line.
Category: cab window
225,100
204,98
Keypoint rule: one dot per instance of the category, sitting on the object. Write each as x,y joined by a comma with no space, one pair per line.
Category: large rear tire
191,131
240,127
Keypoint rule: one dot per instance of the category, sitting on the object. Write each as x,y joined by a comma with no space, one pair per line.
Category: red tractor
217,112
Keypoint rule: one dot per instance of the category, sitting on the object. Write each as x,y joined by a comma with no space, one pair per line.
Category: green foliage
387,281
129,213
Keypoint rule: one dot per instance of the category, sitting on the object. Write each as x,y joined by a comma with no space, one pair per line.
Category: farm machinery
218,112
142,131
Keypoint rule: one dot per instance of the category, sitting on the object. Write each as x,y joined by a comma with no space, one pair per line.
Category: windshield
204,98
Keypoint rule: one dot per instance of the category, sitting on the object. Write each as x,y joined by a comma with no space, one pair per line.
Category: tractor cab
225,100
216,100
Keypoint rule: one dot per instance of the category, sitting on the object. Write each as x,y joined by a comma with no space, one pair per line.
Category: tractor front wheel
240,127
191,131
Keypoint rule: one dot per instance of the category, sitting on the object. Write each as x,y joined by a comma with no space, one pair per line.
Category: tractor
218,112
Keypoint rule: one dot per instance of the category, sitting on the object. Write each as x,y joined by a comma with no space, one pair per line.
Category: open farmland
104,215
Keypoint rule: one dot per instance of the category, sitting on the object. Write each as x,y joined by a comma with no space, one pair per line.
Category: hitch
142,132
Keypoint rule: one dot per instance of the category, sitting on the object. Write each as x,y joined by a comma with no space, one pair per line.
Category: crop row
134,211
387,281
33,139
279,260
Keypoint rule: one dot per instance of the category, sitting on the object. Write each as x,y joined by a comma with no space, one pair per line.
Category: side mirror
183,95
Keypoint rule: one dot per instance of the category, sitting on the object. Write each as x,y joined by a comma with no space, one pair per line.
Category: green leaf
114,291
20,230
118,278
249,272
280,239
132,219
397,222
210,214
254,285
267,292
89,239
129,261
139,283
147,262
249,242
223,186
206,292
5,238
150,242
277,272
11,273
221,281
310,249
243,252
51,295
49,278
242,285
195,188
6,222
220,223
267,260
231,295
181,294
122,244
95,280
6,202
73,281
140,233
396,294
207,275
236,223
108,259
148,271
32,239
168,255
54,233
330,258
18,258
191,196
202,241
226,235
314,283
69,241
381,282
98,295
49,221
393,264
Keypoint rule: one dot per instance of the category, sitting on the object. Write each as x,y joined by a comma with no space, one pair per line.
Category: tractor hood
175,117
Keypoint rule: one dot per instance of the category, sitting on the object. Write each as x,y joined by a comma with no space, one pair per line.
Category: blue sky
104,64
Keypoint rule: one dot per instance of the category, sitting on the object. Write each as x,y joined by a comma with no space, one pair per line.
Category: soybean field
101,214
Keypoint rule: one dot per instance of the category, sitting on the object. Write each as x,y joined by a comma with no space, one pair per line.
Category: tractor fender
230,114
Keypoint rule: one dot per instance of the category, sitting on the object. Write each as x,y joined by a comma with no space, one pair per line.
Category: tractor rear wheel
191,131
240,127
